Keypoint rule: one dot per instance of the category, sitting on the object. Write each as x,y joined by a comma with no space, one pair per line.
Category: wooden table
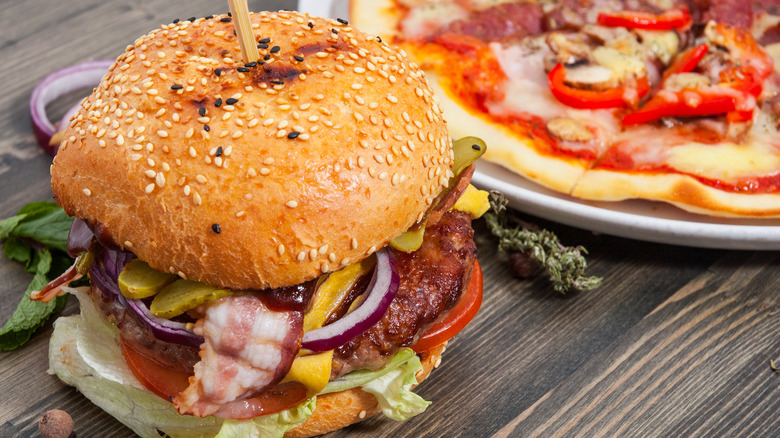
677,341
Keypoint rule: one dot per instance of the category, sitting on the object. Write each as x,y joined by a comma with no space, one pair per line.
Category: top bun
255,176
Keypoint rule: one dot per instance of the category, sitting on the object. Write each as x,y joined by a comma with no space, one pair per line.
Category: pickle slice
183,295
138,280
466,151
411,239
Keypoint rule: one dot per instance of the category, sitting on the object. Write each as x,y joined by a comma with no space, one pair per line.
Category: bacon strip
464,179
54,288
247,348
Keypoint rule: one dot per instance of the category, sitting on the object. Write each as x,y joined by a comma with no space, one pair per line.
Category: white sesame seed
87,192
280,249
149,188
291,204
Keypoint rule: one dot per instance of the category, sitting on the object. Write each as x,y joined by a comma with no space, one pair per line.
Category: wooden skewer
246,37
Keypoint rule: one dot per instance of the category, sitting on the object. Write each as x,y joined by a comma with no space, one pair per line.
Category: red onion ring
79,238
379,295
164,329
104,275
87,74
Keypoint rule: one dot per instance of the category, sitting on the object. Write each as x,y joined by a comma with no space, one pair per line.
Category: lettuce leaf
392,385
89,345
394,393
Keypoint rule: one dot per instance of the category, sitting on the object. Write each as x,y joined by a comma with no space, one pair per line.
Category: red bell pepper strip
687,61
590,99
674,18
704,104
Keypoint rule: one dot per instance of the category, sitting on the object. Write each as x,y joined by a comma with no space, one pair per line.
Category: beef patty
432,280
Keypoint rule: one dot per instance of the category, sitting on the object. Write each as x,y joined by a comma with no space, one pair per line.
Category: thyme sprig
564,265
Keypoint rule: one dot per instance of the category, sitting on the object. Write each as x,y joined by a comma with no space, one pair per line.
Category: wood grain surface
676,342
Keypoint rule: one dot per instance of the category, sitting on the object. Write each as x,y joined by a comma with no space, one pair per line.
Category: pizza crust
681,190
379,17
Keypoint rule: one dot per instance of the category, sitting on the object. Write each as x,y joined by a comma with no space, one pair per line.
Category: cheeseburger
273,247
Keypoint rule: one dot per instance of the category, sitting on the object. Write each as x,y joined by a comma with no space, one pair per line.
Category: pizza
666,100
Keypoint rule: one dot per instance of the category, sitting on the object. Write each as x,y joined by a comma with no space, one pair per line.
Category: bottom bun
337,410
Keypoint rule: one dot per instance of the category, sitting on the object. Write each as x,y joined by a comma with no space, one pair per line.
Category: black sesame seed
293,134
243,69
229,14
334,30
218,102
225,19
231,101
267,57
311,25
216,228
265,41
234,33
277,82
476,147
208,17
206,128
260,62
342,21
275,49
262,46
218,72
298,58
176,21
379,38
176,87
250,64
219,151
191,19
202,111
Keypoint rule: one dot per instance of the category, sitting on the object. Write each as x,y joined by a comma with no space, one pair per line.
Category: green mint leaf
43,222
30,315
18,250
7,225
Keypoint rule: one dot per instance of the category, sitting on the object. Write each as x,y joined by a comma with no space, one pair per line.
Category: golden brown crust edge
681,190
340,409
369,154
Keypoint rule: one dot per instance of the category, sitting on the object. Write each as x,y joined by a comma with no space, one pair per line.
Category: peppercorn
55,424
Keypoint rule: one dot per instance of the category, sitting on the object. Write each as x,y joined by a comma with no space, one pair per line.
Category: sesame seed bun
337,410
255,176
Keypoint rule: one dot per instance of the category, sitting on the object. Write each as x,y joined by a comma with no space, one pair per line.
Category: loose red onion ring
379,295
87,74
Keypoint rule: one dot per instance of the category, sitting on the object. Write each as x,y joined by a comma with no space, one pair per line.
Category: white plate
636,219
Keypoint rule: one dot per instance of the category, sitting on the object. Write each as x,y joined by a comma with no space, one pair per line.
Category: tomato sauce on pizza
671,100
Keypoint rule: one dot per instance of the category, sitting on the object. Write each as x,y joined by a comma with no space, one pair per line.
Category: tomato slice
457,318
161,380
167,382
